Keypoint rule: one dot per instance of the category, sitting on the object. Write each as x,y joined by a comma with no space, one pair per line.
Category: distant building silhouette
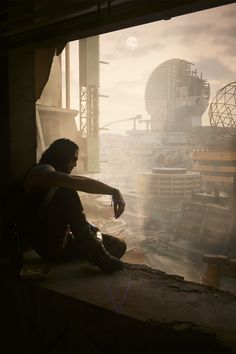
176,96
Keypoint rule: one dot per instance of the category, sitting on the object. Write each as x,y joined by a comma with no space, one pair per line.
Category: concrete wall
22,127
19,68
17,124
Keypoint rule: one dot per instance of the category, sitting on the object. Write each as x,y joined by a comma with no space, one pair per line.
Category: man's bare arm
46,175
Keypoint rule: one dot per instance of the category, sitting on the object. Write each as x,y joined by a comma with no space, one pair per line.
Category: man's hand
119,203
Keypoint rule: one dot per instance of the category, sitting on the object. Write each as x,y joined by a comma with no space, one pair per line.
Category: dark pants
60,226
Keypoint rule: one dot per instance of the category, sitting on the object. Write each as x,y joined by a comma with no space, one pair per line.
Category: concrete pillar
22,127
4,140
17,123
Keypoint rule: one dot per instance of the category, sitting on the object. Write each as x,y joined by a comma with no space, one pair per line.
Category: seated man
53,216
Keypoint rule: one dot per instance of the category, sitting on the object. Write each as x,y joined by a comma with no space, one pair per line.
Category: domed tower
176,96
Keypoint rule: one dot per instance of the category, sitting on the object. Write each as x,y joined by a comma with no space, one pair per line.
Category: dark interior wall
4,134
17,124
22,127
24,73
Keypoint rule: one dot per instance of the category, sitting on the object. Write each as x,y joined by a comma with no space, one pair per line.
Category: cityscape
174,160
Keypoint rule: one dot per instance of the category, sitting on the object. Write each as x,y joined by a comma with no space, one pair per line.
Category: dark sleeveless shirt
33,204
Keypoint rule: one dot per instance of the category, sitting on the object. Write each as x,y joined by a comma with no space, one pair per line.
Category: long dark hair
59,153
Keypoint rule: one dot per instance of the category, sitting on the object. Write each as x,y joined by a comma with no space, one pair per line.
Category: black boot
97,254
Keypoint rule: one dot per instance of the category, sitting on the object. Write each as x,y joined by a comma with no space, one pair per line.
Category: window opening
137,101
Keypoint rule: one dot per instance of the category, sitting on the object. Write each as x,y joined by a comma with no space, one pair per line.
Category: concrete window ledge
78,309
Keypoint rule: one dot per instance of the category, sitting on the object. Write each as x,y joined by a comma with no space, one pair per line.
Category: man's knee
115,246
122,248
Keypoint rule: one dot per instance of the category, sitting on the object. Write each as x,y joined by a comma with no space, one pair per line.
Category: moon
131,43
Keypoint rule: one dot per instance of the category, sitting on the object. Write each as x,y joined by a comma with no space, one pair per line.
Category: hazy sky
206,38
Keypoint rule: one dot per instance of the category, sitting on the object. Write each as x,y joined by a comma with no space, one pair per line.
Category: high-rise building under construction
176,96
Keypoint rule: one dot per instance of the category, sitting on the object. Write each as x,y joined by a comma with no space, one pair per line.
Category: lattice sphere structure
222,111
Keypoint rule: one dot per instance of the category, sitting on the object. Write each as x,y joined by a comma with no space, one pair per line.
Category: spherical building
176,96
